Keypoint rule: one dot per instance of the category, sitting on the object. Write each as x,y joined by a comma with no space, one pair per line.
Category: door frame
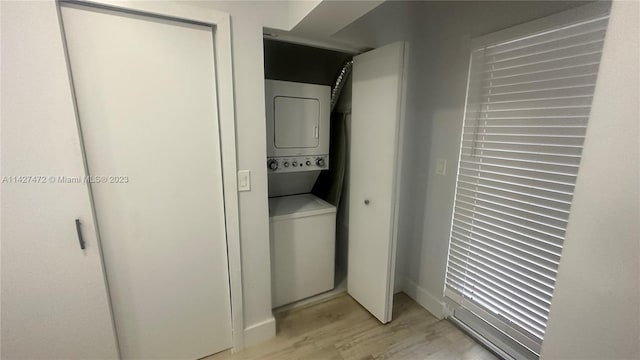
397,182
220,24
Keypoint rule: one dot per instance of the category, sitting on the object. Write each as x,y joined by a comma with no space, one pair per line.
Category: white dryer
297,135
302,232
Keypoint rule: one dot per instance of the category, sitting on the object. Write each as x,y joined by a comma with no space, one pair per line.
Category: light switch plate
244,180
441,167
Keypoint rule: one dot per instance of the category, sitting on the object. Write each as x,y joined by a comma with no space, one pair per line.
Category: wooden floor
341,329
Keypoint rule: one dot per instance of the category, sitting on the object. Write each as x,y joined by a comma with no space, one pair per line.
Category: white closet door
54,297
146,96
376,114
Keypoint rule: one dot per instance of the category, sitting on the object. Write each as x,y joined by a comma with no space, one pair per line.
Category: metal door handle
366,201
79,231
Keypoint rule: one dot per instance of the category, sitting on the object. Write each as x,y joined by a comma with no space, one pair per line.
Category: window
529,96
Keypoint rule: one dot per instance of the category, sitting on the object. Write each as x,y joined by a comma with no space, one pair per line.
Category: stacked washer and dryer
302,226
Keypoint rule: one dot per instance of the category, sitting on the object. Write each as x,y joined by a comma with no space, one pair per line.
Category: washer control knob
294,163
286,164
308,163
272,164
320,162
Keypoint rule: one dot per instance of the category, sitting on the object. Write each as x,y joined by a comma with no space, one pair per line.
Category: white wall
595,312
247,21
438,33
299,9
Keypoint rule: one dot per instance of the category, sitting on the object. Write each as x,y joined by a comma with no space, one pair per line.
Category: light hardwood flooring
341,329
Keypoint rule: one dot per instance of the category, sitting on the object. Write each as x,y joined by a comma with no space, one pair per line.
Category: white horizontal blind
528,105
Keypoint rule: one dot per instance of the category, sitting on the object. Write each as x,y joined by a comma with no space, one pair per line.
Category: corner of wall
433,304
298,10
260,332
398,281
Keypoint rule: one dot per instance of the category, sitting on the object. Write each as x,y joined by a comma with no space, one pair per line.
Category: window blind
528,104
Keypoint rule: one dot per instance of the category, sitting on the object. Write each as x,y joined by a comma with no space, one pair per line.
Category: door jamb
397,181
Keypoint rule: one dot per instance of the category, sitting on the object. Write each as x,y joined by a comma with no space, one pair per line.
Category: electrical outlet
244,180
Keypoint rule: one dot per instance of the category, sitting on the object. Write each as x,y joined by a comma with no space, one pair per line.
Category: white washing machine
302,226
302,231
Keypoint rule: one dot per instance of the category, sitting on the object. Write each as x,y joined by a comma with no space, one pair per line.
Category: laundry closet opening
333,134
307,151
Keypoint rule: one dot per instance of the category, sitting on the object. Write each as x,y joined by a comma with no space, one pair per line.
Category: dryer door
296,122
297,118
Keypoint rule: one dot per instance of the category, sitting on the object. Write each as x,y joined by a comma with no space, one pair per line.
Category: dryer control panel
288,164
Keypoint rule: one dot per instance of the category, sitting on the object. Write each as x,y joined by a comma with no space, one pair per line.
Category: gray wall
438,33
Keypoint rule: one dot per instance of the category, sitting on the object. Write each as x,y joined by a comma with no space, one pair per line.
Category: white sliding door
376,118
54,298
146,96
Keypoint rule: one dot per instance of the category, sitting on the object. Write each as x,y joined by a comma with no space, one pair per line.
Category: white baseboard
260,332
427,300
